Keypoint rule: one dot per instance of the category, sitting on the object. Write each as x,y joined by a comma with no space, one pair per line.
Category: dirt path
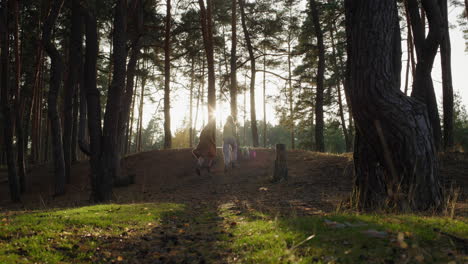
199,235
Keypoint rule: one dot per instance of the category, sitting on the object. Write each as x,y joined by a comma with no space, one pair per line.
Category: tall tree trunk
56,68
19,102
137,18
75,54
447,88
131,121
233,90
319,123
192,82
100,184
167,78
207,32
140,114
253,114
291,98
426,50
110,158
75,127
13,179
264,99
338,73
395,158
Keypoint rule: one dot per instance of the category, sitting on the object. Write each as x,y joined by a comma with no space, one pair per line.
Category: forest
350,128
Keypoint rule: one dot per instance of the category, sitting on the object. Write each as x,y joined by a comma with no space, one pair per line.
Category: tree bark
167,78
137,18
101,184
192,83
253,114
56,68
110,158
207,32
233,60
75,54
447,88
338,73
319,123
5,100
395,158
140,113
426,50
264,100
281,167
19,102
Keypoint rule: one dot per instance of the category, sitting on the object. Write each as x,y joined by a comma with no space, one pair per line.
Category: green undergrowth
344,238
194,234
74,234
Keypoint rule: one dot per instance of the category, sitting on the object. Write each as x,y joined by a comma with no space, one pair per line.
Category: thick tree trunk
319,123
75,54
167,79
101,188
56,68
253,114
5,100
110,158
426,50
124,180
447,88
233,90
207,31
395,158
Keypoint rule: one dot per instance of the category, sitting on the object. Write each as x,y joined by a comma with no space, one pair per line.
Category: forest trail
317,184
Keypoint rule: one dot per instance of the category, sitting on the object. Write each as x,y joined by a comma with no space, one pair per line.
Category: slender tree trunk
207,32
56,68
75,54
426,50
74,138
447,88
395,158
253,114
291,99
140,118
233,90
167,79
5,99
192,80
319,122
264,100
132,115
19,102
338,73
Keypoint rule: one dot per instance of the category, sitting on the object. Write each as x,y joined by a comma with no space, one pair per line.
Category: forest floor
172,215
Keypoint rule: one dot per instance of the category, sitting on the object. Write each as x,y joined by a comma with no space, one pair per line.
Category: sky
180,97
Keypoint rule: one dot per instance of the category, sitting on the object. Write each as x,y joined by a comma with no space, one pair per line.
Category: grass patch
73,235
344,238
